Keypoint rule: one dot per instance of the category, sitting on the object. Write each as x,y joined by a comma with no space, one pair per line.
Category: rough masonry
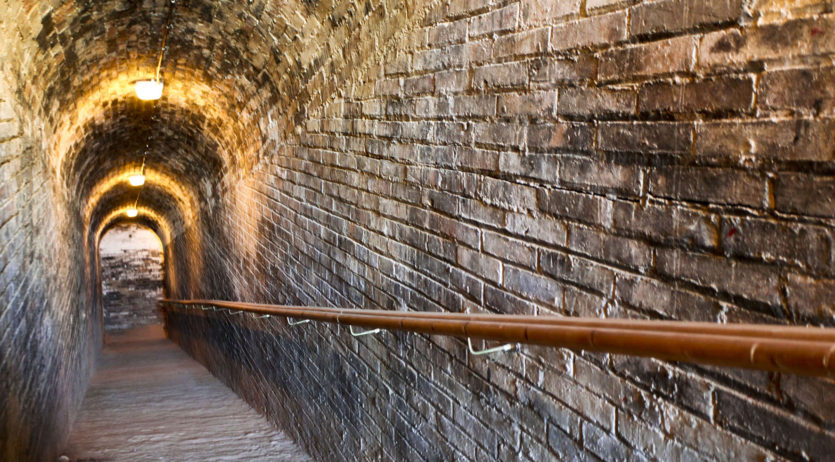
131,266
661,159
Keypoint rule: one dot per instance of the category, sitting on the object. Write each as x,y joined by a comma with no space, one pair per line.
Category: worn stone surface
131,267
149,401
619,158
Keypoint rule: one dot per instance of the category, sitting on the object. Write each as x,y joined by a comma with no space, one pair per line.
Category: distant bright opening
131,258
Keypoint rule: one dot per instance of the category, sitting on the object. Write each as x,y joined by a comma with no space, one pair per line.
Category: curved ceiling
234,72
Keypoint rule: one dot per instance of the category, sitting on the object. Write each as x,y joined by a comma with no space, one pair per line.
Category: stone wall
49,329
668,159
131,267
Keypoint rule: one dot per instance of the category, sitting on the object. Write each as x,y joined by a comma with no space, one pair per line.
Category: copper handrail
791,349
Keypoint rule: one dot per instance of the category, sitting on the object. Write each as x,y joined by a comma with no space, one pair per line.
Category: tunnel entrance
131,259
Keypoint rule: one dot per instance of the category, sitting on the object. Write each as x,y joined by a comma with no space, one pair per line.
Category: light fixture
132,212
136,180
149,90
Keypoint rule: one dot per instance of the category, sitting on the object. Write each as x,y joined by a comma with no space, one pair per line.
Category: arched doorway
131,259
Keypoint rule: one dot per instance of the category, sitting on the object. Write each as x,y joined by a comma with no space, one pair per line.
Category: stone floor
151,401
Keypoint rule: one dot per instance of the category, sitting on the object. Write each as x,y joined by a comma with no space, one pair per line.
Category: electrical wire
168,26
165,36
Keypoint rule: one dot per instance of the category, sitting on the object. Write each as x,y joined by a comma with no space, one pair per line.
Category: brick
512,196
771,240
598,176
666,224
711,185
585,208
398,65
525,43
645,137
482,213
512,250
463,7
388,87
539,104
509,135
560,136
452,133
595,102
678,15
446,58
747,280
763,423
540,229
687,390
665,300
805,194
785,140
645,438
448,33
431,108
540,166
811,299
474,106
605,444
668,56
419,85
576,270
503,302
452,81
531,285
734,47
726,94
508,75
535,12
581,400
589,32
799,90
601,5
479,159
501,20
548,72
613,249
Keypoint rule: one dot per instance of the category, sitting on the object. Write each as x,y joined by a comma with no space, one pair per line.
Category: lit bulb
132,212
136,180
147,90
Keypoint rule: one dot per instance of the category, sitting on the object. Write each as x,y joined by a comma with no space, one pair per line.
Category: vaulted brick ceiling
229,66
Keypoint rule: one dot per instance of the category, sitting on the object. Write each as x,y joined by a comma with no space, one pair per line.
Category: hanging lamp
151,90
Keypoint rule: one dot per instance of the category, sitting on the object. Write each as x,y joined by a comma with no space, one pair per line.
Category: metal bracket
487,351
258,317
290,321
234,312
365,332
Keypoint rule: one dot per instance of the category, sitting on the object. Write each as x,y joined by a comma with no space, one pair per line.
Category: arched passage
131,259
664,159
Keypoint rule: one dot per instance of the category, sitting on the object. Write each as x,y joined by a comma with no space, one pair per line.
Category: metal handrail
790,349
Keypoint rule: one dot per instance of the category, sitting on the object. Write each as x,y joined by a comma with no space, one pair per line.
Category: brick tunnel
663,160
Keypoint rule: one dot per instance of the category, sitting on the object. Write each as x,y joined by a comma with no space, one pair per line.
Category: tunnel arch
132,269
239,74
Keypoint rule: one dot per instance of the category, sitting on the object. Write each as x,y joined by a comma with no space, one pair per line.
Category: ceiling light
148,90
132,212
136,180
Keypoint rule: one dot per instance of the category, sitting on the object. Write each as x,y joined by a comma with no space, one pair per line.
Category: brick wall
48,324
670,159
131,267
